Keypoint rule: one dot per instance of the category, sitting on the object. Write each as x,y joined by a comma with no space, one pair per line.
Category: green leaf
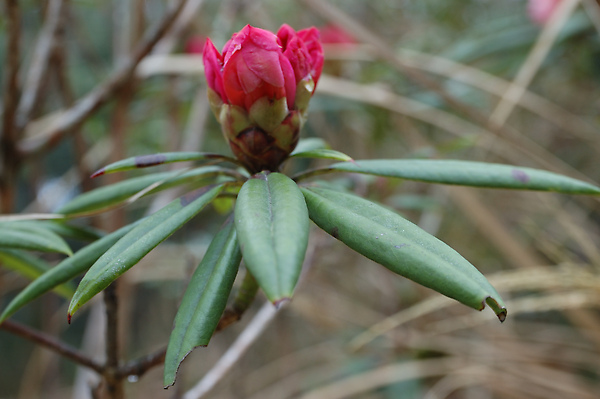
322,153
130,249
31,267
145,161
31,236
64,271
465,173
385,237
113,194
272,224
310,144
81,233
204,300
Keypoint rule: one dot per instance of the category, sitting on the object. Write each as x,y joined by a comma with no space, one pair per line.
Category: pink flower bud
259,90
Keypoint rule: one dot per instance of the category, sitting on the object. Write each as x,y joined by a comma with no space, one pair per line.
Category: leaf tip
499,309
69,315
97,173
281,302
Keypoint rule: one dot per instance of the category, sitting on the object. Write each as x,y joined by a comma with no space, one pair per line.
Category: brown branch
99,96
140,366
242,301
51,343
40,63
9,156
114,384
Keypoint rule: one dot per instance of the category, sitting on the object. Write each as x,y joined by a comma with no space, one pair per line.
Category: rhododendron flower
259,89
540,11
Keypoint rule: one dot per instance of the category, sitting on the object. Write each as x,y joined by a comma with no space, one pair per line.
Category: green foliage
204,299
138,242
33,268
34,236
63,272
269,231
388,239
464,173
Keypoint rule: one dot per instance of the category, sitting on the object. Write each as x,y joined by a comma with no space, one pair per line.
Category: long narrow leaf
323,153
31,267
145,161
117,193
31,235
272,224
64,271
465,173
81,233
310,144
204,300
130,249
385,237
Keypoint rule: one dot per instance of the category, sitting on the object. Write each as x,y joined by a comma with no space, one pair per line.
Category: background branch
104,92
9,157
52,344
40,62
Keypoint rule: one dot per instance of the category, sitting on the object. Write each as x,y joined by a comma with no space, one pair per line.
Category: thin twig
9,156
140,366
40,62
253,330
114,383
51,343
533,62
382,50
104,92
168,42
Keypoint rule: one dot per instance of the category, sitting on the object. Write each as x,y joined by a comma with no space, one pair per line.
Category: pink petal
213,65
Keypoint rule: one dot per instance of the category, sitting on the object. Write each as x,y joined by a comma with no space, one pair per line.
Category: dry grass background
470,80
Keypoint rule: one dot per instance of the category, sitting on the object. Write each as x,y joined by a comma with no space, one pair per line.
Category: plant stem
105,91
114,382
51,343
243,299
139,366
9,156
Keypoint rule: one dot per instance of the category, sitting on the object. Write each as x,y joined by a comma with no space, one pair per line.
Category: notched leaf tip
179,366
500,311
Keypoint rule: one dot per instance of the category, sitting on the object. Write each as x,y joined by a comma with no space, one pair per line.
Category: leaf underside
144,161
467,173
386,238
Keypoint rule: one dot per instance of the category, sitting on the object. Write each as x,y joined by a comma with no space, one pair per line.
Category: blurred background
510,81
